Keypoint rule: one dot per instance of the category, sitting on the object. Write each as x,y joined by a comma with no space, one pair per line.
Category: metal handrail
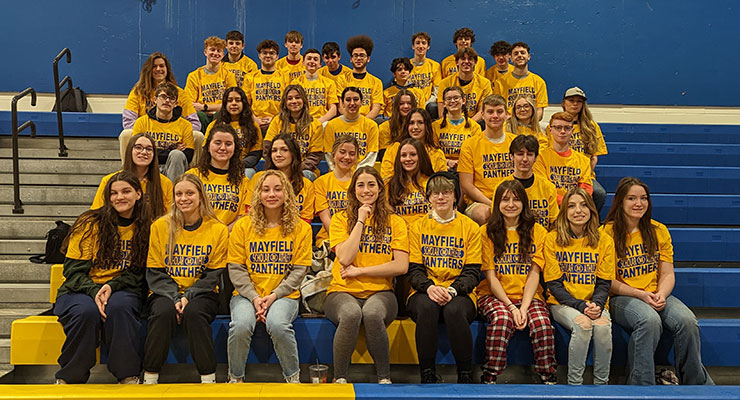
17,204
57,85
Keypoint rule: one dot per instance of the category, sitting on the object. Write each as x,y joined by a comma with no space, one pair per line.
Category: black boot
464,377
429,375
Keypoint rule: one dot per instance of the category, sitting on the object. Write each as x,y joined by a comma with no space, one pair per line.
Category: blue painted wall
660,52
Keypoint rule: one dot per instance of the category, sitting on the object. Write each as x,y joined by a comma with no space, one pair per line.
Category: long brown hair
236,167
429,139
395,123
496,226
289,217
104,220
619,221
515,124
562,225
177,219
303,123
296,173
154,195
587,129
381,212
401,181
249,132
145,86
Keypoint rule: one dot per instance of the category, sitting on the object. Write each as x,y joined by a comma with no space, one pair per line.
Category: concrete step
22,246
7,316
97,154
64,166
20,270
66,212
72,143
92,179
27,227
5,351
24,293
52,196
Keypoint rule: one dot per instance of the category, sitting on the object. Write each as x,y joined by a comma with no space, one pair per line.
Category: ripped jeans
582,329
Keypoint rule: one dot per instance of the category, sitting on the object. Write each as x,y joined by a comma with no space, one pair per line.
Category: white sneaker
131,380
385,381
340,380
208,378
60,382
151,378
296,378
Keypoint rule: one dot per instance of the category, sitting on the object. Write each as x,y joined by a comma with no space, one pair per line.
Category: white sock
151,378
209,378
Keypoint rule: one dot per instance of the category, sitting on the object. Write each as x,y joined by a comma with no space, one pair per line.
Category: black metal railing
17,204
57,86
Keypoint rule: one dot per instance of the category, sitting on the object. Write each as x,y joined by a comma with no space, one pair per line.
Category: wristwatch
452,290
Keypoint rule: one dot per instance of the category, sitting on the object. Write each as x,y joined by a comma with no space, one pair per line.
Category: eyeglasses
562,128
523,107
143,149
443,193
165,98
451,99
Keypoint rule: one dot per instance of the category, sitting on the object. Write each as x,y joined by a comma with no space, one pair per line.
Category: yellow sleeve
273,130
243,193
208,132
372,136
99,200
140,125
539,234
552,267
329,136
303,254
237,242
539,168
665,243
415,242
230,79
601,149
250,190
319,190
192,87
332,96
400,239
157,243
217,258
586,175
167,189
554,209
540,91
465,162
133,102
498,88
439,162
606,267
480,66
486,251
308,202
315,142
377,93
187,134
247,87
389,159
79,249
384,135
474,244
184,101
338,229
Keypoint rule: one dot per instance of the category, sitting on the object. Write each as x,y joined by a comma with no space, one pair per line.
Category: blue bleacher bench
671,133
673,179
691,209
687,154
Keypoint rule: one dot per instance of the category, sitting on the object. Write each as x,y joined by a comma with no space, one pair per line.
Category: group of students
159,236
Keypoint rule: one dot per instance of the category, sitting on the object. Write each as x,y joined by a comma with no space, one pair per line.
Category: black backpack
74,100
54,239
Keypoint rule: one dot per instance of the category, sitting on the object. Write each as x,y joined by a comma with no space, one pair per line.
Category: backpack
54,239
72,100
313,292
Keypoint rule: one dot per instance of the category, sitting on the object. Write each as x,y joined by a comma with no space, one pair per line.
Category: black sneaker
464,377
488,379
429,375
551,380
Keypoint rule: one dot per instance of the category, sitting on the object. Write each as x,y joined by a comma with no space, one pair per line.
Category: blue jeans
280,317
646,326
581,331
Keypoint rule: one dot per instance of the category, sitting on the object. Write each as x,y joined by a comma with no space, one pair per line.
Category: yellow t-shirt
475,91
240,68
139,105
436,156
543,201
193,252
269,258
238,129
511,268
87,249
304,199
580,264
363,129
425,77
564,172
492,74
308,142
329,193
371,253
414,204
166,135
451,137
228,201
292,71
390,93
490,163
164,182
637,268
209,88
542,139
576,143
449,66
509,86
340,76
265,91
321,93
445,248
384,135
370,87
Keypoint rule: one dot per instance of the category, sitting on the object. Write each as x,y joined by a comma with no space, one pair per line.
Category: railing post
57,86
17,204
